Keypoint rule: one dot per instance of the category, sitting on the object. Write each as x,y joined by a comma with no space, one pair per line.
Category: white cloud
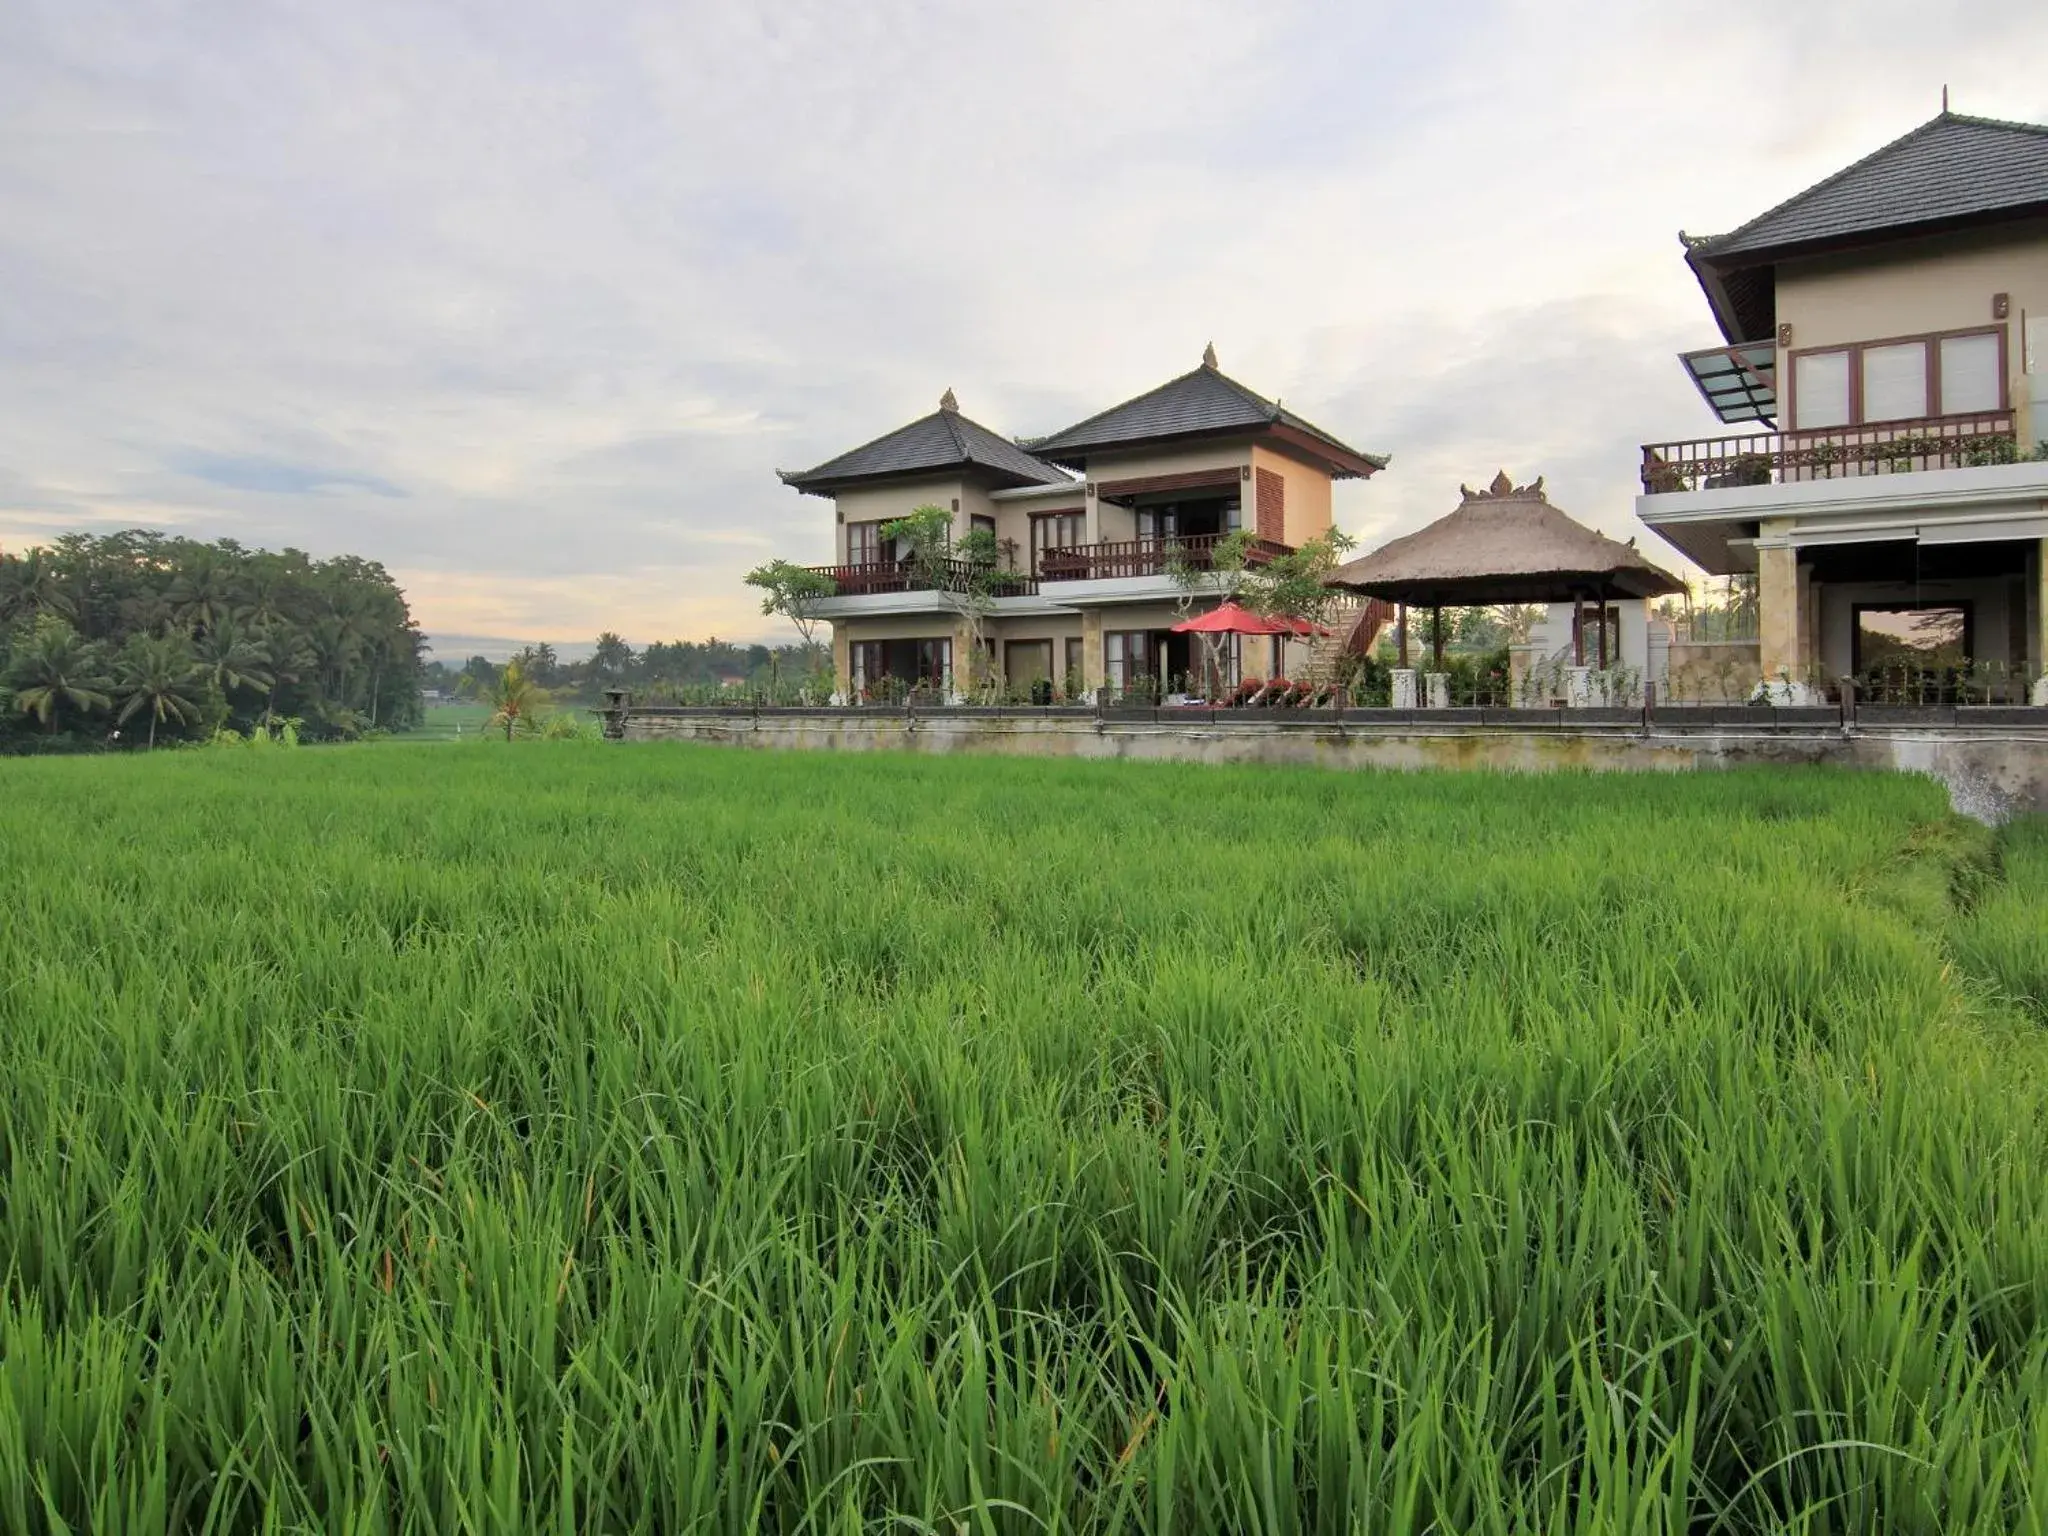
575,279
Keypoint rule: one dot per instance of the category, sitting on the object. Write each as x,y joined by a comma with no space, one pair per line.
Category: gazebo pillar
1401,633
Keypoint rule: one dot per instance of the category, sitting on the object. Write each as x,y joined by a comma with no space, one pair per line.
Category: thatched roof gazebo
1505,544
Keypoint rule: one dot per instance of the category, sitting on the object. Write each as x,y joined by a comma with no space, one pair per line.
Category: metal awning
1739,382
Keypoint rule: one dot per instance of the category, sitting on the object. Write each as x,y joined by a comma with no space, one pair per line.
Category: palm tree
155,673
56,671
232,658
515,701
611,656
202,595
287,657
30,583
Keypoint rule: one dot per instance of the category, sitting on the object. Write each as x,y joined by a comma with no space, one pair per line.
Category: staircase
1354,626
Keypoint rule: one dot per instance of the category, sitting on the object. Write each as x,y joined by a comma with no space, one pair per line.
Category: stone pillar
2037,632
842,662
1439,690
1578,687
1094,671
1809,620
1404,688
970,661
1777,600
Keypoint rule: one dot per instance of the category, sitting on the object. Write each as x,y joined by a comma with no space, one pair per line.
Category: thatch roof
1505,544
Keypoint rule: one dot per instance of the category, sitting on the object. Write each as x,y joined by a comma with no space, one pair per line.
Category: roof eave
830,485
1343,463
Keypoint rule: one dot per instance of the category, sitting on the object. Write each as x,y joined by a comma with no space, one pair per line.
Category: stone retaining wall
1994,762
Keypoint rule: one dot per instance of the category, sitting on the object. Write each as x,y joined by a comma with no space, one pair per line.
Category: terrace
1785,458
1124,558
937,576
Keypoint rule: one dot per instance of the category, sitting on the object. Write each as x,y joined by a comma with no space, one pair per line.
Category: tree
610,657
516,701
57,671
795,592
31,585
962,572
156,673
232,658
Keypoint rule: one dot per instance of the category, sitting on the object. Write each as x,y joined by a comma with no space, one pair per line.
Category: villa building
1086,522
1889,328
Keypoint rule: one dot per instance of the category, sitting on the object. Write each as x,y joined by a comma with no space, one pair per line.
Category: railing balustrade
911,576
1879,448
1147,557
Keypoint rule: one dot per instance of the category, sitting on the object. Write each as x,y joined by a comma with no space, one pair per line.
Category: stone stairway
1354,626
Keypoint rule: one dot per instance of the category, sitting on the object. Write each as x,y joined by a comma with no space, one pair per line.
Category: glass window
1969,374
863,543
1028,661
1894,382
1820,387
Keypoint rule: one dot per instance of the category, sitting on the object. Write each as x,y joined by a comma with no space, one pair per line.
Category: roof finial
947,402
1209,355
1944,100
1502,485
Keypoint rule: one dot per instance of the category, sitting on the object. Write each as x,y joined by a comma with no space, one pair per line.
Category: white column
1439,690
1404,688
1578,688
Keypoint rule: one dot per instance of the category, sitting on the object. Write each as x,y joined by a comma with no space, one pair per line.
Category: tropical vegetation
136,638
676,1139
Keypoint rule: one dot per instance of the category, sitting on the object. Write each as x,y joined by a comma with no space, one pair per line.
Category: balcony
1147,557
908,576
1787,458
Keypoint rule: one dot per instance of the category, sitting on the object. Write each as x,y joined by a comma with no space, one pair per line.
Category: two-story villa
1086,520
1890,327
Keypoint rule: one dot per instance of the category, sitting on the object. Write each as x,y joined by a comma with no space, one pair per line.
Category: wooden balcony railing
1880,448
1146,557
908,576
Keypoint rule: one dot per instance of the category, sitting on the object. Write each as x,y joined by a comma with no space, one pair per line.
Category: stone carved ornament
1503,488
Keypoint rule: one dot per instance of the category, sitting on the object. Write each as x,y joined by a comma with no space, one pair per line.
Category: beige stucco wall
1013,518
1308,499
1109,522
1943,283
869,504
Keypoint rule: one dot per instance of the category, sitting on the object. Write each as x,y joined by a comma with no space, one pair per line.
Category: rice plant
682,1139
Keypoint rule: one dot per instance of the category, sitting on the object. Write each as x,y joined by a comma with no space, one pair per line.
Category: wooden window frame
1931,341
1037,544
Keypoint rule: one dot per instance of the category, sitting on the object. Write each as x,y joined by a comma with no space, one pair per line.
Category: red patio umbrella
1231,619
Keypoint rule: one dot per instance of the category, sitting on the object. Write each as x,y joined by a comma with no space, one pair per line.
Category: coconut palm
233,658
157,673
57,671
516,701
30,583
202,595
610,656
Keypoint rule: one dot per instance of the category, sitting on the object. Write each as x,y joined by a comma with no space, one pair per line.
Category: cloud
528,299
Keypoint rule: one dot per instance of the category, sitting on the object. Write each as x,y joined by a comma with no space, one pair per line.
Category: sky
529,300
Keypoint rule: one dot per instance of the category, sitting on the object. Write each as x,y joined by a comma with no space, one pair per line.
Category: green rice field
575,1138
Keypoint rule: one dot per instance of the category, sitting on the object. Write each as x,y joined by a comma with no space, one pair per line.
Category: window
1190,519
1895,382
1073,680
1027,661
935,662
1970,374
863,543
869,664
1054,530
1820,384
1911,380
1129,657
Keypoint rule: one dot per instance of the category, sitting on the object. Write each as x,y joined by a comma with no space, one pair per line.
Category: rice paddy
605,1139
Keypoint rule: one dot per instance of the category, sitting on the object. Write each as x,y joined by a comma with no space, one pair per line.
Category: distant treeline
134,638
664,669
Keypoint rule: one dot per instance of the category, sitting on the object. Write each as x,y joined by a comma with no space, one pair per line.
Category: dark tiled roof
1953,167
1204,402
941,441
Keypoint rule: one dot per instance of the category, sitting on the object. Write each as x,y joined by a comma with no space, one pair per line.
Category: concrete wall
1711,671
1990,772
